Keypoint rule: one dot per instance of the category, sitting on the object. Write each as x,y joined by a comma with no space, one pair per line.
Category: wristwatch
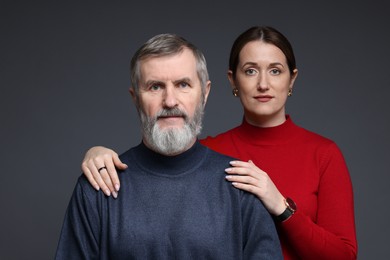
291,207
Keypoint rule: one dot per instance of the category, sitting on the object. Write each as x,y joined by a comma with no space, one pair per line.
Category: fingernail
117,187
233,162
228,176
228,169
115,194
97,187
107,192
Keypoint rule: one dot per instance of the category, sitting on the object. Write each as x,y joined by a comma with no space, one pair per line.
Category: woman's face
263,81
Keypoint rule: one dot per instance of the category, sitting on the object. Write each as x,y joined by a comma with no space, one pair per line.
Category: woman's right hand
107,180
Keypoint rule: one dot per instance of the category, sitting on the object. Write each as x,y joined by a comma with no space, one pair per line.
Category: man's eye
184,85
155,87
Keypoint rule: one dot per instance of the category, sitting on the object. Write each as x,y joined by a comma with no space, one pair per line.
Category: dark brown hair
266,34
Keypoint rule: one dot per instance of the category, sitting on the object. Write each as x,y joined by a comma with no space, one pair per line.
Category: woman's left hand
248,177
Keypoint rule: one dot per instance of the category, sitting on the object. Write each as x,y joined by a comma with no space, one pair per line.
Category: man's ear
207,92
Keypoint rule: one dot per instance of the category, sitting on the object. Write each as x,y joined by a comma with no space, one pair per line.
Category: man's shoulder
215,161
84,186
84,191
126,156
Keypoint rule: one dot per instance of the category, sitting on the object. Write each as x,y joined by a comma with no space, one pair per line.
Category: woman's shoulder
314,136
317,141
217,138
220,141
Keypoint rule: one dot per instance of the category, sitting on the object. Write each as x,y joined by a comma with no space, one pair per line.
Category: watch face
291,204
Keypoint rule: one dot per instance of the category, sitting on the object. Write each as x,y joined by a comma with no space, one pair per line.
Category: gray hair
164,45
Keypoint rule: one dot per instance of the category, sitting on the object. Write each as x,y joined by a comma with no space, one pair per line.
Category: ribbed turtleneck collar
157,163
276,135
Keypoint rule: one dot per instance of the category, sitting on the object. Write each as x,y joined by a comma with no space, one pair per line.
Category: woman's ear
294,76
231,79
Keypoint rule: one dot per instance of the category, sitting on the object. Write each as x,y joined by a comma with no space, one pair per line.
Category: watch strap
289,211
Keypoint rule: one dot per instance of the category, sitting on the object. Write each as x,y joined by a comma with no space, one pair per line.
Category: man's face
170,102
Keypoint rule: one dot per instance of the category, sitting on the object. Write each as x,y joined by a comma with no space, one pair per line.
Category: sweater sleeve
260,237
80,231
333,235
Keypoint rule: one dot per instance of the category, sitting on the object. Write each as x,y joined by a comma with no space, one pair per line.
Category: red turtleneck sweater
311,170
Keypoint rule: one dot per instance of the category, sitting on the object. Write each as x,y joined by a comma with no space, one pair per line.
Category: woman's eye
250,72
275,72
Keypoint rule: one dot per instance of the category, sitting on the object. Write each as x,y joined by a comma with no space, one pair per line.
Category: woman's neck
266,121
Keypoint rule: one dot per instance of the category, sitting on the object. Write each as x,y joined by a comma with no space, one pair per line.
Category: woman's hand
107,179
248,177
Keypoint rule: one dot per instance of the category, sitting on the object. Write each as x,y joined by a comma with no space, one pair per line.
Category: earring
235,92
289,92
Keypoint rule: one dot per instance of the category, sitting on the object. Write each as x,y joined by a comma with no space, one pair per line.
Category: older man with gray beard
175,203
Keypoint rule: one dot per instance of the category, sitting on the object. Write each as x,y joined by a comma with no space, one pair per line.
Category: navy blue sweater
177,207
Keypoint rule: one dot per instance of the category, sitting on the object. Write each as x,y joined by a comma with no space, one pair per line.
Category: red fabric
311,170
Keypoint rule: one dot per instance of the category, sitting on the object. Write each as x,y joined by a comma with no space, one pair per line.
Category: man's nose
170,97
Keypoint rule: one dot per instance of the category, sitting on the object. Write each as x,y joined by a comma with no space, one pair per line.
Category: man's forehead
169,68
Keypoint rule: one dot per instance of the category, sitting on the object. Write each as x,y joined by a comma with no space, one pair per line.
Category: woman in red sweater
300,177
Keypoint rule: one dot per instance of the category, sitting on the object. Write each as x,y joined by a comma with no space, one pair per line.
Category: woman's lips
263,98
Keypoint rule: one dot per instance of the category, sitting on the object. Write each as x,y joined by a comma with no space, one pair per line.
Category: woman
301,178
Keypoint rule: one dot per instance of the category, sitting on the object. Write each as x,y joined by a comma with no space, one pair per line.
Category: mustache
171,112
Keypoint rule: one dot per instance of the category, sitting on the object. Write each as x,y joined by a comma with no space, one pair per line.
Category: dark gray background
64,81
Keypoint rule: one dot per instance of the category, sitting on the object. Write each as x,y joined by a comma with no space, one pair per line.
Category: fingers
102,177
244,168
111,179
247,183
246,176
105,177
249,164
246,187
98,180
251,183
89,176
242,179
116,162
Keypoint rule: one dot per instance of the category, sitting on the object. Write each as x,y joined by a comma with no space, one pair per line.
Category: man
176,203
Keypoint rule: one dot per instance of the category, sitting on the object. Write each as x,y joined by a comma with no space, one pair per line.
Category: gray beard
171,141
